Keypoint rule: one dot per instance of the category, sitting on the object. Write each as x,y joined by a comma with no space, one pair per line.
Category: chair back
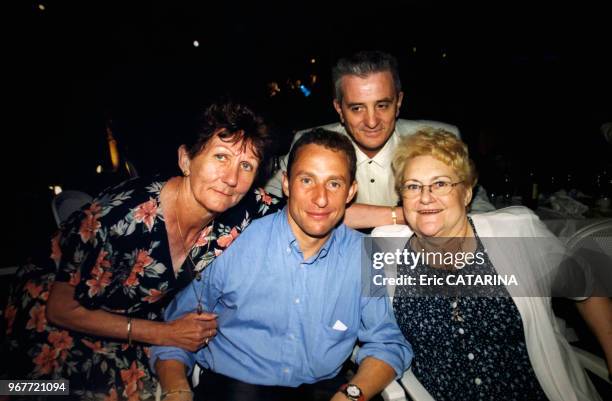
67,202
591,246
599,231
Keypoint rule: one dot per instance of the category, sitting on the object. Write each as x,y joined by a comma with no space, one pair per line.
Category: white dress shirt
374,175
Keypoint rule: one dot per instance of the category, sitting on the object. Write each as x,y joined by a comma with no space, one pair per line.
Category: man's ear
338,108
285,184
400,97
183,160
352,192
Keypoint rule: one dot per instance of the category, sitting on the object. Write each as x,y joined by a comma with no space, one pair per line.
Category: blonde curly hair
441,145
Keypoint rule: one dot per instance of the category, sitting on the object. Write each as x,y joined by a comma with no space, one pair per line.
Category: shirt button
286,370
470,356
478,381
297,301
370,162
372,180
461,331
288,250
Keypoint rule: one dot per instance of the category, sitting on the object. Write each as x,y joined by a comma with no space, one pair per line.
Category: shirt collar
289,237
384,156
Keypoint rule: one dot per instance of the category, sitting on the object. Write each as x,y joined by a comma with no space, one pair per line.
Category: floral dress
115,253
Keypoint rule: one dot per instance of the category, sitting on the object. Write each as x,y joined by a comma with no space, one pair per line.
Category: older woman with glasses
494,345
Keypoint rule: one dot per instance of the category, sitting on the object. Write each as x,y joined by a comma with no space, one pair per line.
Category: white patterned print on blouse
482,357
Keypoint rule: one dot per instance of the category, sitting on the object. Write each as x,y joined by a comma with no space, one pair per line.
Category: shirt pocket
329,349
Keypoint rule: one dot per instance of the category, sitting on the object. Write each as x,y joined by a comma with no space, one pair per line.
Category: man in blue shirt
288,296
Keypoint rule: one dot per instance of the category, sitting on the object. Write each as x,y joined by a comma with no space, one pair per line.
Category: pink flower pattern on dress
101,277
38,319
204,235
60,340
33,289
142,260
90,224
131,379
94,346
146,213
46,361
154,296
225,240
265,197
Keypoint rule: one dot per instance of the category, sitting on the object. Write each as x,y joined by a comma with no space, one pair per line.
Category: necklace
197,275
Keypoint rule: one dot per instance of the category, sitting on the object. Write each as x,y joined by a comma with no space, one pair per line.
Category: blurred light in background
112,147
56,189
196,43
273,88
305,90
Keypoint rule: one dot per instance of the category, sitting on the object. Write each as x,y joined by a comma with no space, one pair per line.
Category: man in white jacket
368,97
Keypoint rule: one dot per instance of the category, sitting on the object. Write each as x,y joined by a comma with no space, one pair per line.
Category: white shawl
555,365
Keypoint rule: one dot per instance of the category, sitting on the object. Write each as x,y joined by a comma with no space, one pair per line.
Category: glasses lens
441,188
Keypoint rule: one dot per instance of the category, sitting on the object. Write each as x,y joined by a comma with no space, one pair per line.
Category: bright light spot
443,55
196,43
414,49
312,61
57,189
41,7
305,90
99,169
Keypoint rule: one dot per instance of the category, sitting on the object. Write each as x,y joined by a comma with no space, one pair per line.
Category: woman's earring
186,173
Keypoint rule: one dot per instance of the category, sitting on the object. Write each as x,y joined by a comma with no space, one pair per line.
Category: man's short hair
330,140
362,64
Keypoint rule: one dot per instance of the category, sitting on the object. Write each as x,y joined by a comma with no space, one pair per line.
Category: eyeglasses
438,188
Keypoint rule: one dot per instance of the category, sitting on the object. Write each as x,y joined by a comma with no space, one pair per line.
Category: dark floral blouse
115,253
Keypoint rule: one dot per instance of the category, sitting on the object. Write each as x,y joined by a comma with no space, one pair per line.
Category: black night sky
528,86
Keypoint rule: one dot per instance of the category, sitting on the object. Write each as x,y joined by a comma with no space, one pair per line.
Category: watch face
353,391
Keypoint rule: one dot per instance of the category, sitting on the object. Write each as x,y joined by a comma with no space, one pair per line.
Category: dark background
529,86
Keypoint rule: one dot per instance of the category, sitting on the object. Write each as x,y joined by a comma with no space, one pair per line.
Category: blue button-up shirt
284,320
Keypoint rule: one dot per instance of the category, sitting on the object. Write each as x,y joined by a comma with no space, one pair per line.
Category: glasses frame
452,185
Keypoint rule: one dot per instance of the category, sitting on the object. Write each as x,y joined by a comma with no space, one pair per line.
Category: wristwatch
352,392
